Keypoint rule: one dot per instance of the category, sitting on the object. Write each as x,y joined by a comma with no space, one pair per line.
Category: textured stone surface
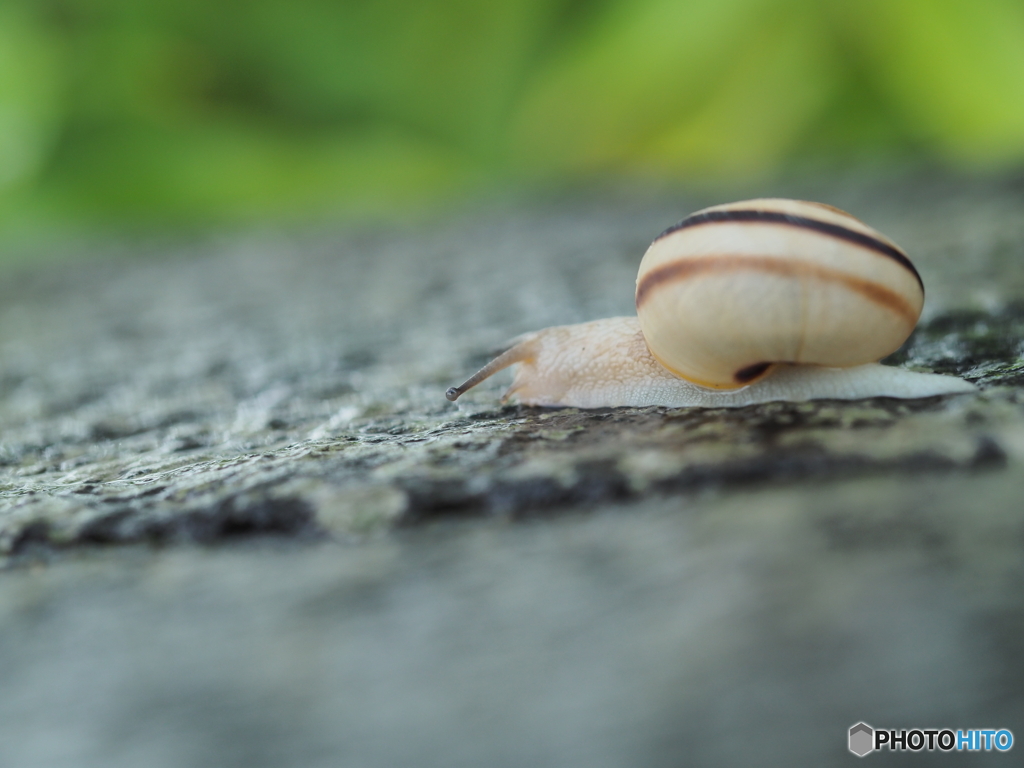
483,584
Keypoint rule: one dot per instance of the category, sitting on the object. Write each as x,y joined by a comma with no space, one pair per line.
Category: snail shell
734,289
738,304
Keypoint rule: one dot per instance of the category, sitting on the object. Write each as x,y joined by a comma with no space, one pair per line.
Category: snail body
738,304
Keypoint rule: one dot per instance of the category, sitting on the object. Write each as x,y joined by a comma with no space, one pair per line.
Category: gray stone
321,561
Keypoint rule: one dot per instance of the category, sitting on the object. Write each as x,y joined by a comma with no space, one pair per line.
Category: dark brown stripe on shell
751,372
686,268
786,219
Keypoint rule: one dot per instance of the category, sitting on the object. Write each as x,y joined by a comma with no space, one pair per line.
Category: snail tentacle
520,352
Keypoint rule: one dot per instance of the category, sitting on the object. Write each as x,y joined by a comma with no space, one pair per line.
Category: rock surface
395,579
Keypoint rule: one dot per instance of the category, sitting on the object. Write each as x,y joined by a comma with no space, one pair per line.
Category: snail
744,303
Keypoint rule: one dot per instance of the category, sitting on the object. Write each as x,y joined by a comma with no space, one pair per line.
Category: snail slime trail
738,304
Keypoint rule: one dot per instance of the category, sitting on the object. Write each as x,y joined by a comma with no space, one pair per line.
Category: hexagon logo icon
862,737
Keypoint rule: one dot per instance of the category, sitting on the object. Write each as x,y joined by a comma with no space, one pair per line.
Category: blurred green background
208,111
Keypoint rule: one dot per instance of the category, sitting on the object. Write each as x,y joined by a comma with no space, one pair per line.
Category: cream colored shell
735,289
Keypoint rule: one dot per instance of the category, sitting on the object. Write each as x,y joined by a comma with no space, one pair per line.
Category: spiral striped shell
733,289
